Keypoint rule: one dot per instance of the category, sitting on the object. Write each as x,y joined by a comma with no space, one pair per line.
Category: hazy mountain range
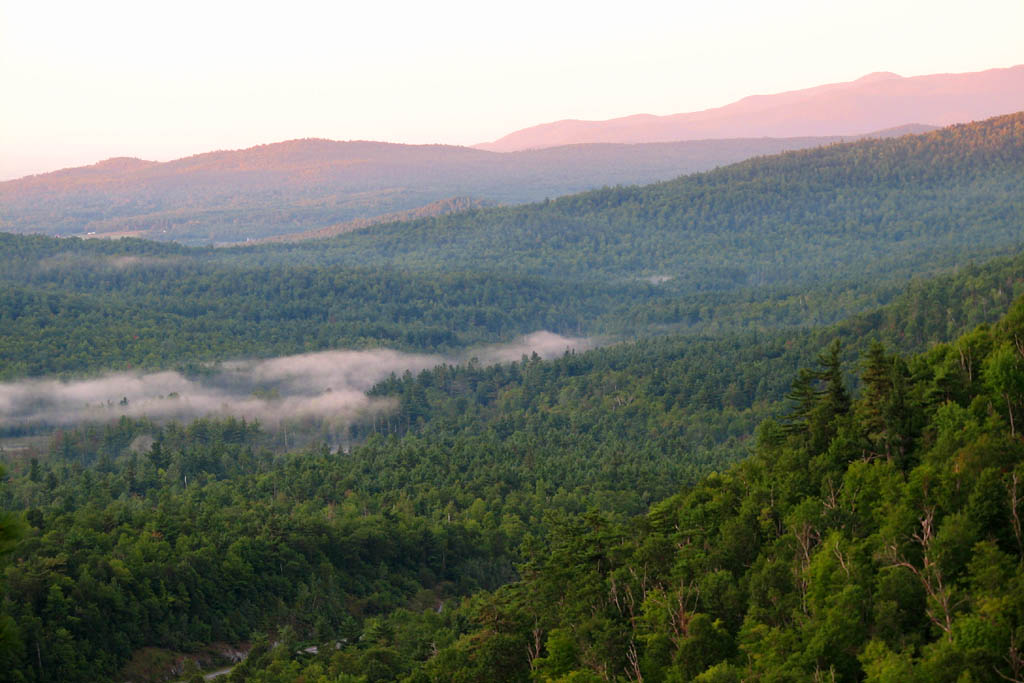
313,188
304,186
874,102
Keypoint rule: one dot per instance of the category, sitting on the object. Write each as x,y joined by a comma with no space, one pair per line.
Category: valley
747,421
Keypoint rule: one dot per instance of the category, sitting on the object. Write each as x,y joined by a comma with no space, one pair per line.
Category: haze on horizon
85,82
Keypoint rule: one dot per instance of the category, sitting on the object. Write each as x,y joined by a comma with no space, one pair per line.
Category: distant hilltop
304,189
877,101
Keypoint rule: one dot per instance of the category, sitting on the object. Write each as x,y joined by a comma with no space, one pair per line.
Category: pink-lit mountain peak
878,76
876,101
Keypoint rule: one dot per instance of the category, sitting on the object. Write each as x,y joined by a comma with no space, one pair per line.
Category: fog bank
328,384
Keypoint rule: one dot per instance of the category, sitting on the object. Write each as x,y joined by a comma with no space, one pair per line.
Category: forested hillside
875,538
794,454
845,211
800,239
872,539
132,306
172,536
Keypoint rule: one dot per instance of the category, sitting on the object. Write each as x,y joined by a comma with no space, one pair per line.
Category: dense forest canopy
876,538
805,238
171,536
847,210
752,477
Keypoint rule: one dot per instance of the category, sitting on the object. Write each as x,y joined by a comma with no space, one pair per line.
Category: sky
85,81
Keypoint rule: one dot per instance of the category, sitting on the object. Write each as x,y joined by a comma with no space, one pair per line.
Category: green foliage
450,553
801,239
578,519
68,307
12,529
844,561
841,212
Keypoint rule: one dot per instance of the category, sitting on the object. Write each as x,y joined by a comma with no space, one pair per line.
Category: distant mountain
849,211
303,186
874,102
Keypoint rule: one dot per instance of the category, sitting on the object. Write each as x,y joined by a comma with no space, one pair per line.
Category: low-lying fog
329,384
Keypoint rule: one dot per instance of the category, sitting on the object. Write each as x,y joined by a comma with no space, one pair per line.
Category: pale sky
84,81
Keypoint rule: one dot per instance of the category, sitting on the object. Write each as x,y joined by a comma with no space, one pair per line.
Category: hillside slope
845,211
306,185
793,240
142,536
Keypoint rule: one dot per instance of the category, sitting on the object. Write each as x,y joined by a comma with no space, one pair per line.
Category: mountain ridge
920,193
304,185
873,102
